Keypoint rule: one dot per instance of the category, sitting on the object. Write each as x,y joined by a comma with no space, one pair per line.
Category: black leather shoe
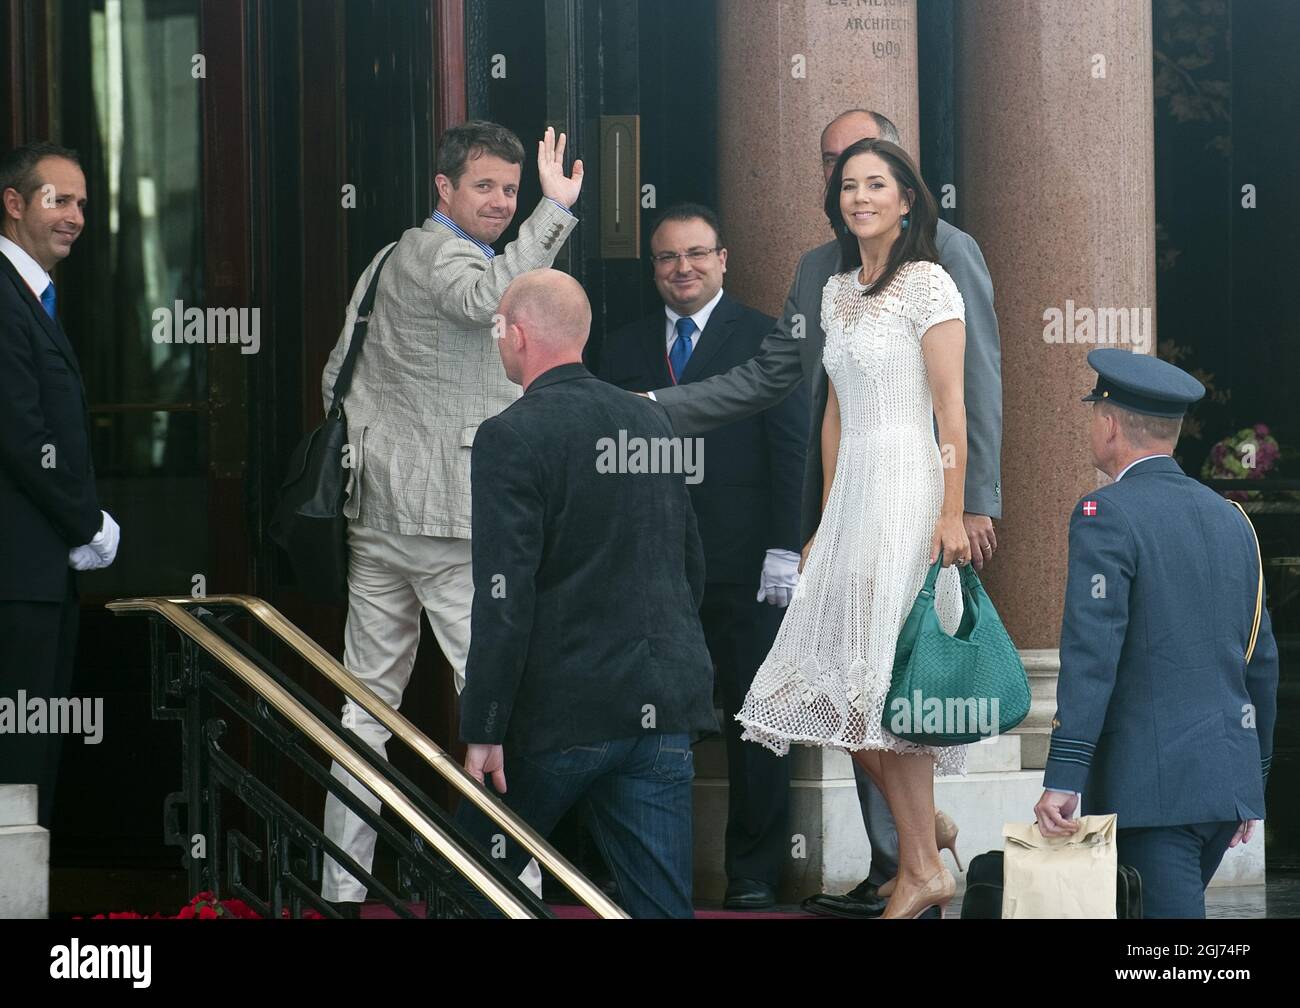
749,894
859,903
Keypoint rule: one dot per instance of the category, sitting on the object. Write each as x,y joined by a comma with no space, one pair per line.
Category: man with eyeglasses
747,507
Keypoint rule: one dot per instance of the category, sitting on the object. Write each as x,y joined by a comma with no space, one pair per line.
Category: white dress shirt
700,318
28,268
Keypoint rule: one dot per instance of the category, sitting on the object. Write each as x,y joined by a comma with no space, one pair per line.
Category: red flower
205,906
307,914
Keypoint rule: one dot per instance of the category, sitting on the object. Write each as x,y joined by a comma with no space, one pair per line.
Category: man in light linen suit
791,353
427,376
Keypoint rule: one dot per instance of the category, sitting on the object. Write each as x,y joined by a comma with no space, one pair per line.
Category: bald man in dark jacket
588,677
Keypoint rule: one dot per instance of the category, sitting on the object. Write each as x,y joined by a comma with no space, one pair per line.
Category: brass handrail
401,728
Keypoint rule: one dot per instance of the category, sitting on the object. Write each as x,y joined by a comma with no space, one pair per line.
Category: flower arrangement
1251,453
206,906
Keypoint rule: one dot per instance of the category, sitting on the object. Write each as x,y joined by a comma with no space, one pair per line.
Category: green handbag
955,690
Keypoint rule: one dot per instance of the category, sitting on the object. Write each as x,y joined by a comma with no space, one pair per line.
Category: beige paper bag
1063,878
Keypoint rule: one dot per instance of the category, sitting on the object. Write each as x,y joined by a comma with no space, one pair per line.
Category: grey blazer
429,372
786,359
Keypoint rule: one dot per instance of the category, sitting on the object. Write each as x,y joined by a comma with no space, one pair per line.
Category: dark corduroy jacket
587,582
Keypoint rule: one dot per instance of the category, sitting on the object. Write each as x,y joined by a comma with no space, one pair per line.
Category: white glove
106,539
780,575
84,558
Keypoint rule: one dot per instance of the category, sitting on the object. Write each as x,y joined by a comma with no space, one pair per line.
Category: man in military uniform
1162,718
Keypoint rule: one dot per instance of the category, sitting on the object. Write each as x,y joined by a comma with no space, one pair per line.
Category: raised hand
562,188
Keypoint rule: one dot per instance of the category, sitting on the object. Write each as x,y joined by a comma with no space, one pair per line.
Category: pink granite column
785,69
1056,182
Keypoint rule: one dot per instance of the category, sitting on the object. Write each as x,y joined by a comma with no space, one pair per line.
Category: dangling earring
905,225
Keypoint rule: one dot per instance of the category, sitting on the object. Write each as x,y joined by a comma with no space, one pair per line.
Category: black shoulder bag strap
343,381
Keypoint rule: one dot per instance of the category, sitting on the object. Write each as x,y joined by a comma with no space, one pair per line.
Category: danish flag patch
1090,508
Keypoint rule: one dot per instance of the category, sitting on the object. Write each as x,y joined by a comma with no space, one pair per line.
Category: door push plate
620,187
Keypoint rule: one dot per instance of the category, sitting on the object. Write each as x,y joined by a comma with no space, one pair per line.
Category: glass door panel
129,102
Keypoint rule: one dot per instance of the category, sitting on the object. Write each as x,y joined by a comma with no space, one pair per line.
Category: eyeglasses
695,255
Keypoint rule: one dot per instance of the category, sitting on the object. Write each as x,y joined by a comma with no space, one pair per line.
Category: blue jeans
636,793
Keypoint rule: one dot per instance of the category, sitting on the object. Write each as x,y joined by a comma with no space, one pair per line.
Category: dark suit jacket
48,503
748,501
1159,717
587,583
792,352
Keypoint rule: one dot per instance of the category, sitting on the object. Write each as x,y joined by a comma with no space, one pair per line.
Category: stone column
785,69
1056,183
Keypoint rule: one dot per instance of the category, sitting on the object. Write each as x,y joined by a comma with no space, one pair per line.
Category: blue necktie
681,351
47,300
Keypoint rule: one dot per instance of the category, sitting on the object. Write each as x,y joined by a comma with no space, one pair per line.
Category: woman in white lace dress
891,498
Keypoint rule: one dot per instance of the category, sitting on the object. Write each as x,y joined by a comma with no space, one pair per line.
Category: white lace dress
825,680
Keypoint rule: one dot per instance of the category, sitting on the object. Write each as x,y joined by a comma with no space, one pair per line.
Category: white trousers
391,579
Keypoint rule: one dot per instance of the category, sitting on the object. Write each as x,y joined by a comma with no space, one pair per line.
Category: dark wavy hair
459,144
18,166
916,243
688,212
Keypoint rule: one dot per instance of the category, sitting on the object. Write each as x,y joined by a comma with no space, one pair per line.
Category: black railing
239,837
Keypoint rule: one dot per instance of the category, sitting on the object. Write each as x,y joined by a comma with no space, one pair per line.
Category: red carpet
376,911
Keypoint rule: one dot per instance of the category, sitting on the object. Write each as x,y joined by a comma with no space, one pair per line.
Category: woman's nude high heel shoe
937,892
945,838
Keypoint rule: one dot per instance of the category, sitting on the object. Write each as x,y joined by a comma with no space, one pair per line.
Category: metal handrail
173,610
319,733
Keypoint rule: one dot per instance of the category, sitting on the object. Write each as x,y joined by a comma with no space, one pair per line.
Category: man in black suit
587,663
747,506
50,521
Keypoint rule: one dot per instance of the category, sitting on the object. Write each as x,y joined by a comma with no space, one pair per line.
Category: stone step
24,855
829,851
17,804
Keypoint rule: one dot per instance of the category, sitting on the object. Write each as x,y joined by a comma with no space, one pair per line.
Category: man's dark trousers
38,642
636,795
739,632
881,831
1175,864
